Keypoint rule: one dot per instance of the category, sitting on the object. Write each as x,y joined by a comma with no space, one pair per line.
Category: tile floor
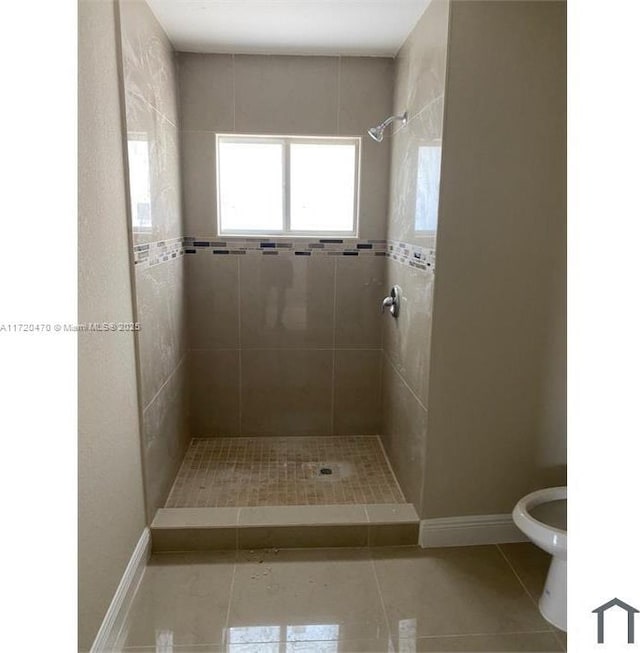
400,599
271,471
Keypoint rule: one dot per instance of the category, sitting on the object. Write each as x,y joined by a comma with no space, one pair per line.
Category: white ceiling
312,27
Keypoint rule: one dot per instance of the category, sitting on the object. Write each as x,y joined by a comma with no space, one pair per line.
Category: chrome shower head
377,132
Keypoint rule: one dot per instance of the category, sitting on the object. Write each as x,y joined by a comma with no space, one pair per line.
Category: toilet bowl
542,517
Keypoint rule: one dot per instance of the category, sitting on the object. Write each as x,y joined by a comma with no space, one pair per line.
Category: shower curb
265,527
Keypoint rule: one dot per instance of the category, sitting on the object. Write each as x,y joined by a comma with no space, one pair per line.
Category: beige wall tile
148,58
374,188
145,124
206,91
286,392
366,92
213,300
286,95
421,62
357,385
165,438
407,338
404,433
214,392
286,301
360,290
422,137
199,182
161,314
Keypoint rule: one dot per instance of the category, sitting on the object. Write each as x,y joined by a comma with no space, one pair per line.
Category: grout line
515,573
393,474
339,95
415,396
384,606
333,348
233,77
418,113
239,349
175,369
231,586
511,632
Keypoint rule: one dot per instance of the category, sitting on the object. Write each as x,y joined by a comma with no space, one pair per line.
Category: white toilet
542,517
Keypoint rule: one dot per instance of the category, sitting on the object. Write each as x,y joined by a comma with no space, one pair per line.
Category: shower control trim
392,301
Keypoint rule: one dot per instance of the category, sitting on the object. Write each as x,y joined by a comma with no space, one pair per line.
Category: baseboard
469,531
106,640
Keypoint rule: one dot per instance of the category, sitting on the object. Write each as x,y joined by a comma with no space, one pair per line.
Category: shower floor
282,471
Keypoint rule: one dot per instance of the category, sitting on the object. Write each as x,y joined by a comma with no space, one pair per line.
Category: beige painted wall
286,344
497,415
111,504
420,70
152,115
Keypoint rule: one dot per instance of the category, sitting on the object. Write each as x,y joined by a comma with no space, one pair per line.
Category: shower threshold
269,492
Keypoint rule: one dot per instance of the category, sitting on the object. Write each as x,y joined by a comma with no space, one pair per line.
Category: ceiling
307,27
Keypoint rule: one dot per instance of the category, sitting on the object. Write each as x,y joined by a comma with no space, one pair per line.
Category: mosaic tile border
422,258
149,254
154,253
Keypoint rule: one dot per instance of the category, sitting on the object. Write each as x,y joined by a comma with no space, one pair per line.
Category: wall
284,343
413,210
110,488
497,413
150,90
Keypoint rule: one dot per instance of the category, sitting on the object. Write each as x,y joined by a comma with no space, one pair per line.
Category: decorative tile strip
415,256
287,246
146,255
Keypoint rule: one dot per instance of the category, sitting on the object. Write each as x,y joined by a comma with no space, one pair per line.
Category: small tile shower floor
386,599
281,471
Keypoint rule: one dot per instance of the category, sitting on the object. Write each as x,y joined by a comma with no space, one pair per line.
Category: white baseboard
106,640
469,531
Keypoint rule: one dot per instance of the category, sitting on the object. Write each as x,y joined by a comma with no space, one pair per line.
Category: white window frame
287,141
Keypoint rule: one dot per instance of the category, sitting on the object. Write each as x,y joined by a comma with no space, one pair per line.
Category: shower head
377,132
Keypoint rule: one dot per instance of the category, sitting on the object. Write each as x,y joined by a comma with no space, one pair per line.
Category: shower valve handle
392,301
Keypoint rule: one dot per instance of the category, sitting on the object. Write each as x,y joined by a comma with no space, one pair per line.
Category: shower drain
328,470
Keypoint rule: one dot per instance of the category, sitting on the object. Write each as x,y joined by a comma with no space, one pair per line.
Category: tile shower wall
150,88
413,208
284,339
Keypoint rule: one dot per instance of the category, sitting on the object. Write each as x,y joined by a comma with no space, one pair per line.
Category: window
139,181
292,185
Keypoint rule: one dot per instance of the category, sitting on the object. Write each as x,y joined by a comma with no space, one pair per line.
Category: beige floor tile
319,594
175,649
183,598
284,471
530,563
453,591
533,642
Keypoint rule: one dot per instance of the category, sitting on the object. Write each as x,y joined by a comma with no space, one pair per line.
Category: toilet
542,517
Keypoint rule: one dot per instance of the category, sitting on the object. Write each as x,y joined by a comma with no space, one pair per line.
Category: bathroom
330,405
